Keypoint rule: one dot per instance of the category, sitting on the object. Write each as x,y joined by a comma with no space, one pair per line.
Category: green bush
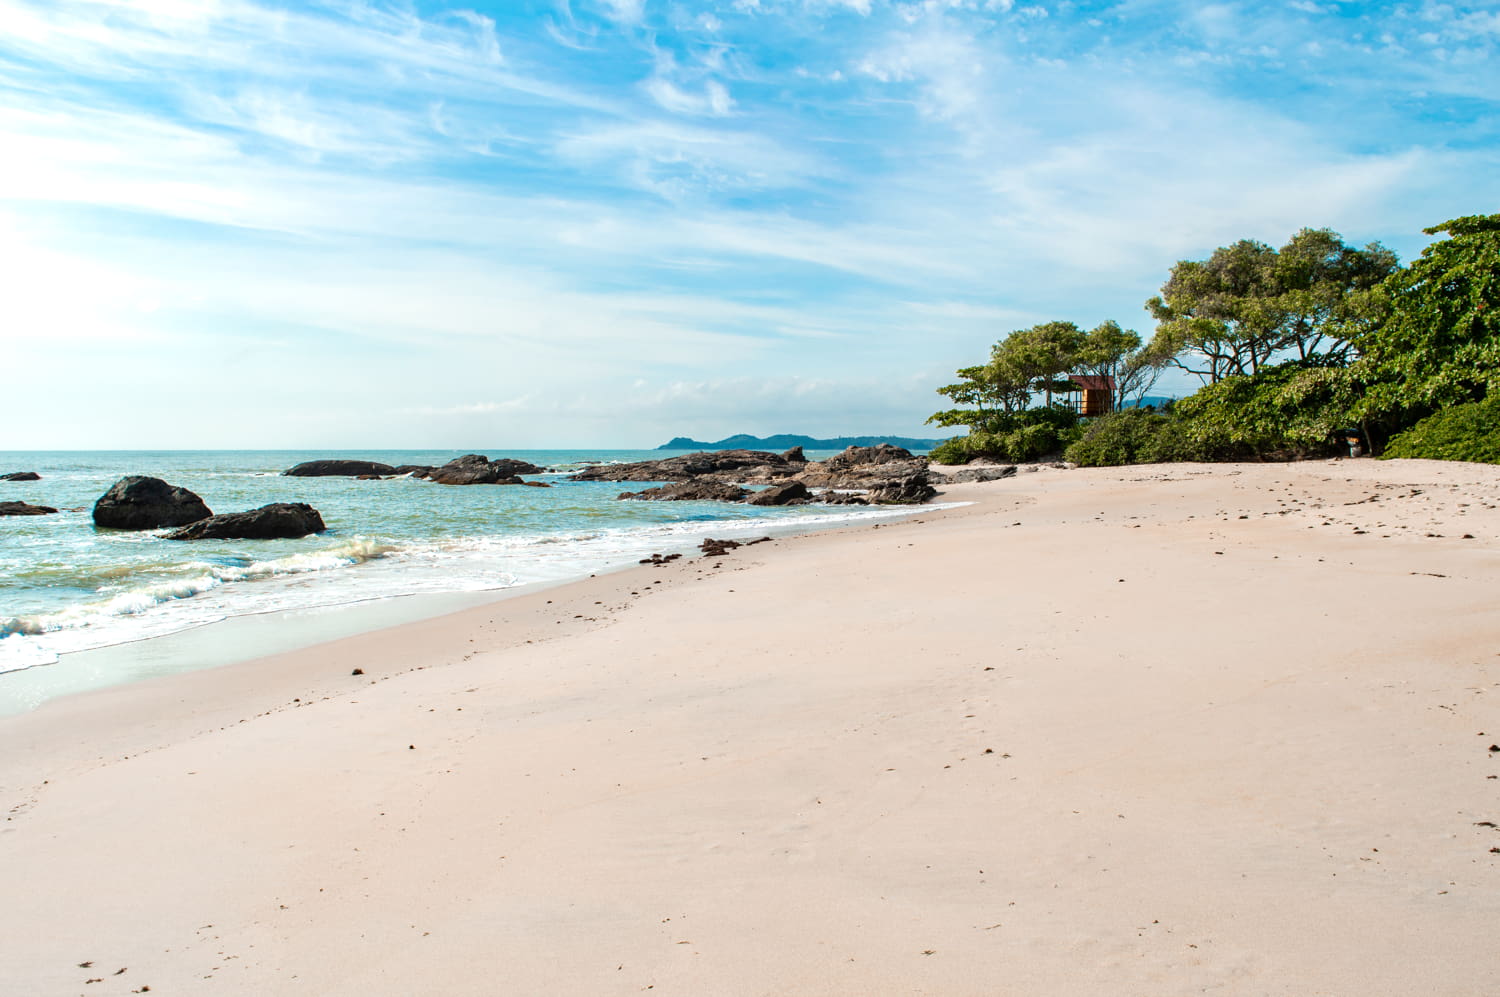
1019,436
1463,432
1118,438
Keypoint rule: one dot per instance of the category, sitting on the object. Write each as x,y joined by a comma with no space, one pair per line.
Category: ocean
67,588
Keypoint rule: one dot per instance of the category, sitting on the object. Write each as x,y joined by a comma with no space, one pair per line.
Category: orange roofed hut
1092,394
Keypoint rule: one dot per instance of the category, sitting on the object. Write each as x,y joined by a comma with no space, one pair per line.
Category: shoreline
1150,729
218,642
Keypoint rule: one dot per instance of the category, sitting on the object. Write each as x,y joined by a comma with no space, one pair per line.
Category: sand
1153,730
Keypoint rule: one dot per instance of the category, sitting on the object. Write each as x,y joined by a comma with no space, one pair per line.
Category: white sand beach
1148,730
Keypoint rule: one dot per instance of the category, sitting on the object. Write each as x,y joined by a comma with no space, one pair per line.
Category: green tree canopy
1110,351
1440,343
1249,305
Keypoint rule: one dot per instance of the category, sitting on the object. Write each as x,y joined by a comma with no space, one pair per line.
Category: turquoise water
67,587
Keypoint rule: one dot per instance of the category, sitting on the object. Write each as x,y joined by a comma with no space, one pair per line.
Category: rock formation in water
22,509
277,521
143,503
338,468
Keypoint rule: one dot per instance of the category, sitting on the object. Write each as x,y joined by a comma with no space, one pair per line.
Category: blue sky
247,223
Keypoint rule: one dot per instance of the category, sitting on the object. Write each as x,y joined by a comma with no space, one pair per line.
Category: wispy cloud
762,210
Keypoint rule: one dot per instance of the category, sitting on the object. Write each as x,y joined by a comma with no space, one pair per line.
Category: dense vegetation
1296,348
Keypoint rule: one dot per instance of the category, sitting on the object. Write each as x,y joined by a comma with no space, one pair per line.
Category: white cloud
714,101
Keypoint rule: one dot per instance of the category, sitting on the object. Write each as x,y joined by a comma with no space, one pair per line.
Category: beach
1169,729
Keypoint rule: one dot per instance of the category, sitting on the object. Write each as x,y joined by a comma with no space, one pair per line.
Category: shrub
1462,432
1118,438
1019,436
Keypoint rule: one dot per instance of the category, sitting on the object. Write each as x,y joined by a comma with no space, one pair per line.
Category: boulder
864,476
983,473
337,468
280,520
142,503
477,469
794,456
738,465
21,476
912,488
783,493
415,470
830,497
690,491
22,509
850,457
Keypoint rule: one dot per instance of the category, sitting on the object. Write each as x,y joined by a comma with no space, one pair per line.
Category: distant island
787,441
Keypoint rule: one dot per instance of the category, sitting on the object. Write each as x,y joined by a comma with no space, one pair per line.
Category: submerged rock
21,476
22,509
278,521
338,468
143,503
690,491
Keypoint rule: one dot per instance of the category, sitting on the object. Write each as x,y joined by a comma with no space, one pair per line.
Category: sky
265,224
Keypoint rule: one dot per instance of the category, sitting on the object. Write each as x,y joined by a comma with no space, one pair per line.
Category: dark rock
477,469
142,503
983,474
794,456
718,548
21,476
782,493
736,464
860,456
690,491
657,559
536,484
338,468
908,489
368,477
830,497
279,520
22,509
415,470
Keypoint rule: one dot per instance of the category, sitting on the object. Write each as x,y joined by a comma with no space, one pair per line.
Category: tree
1110,351
1040,355
1023,364
1249,305
1440,343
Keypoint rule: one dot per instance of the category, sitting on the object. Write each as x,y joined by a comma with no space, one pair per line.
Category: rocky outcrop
741,465
21,476
830,497
702,490
142,503
338,468
852,457
983,473
278,521
911,488
888,474
783,493
22,509
477,469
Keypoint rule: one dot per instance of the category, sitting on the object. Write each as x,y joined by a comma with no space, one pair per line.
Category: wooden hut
1092,394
